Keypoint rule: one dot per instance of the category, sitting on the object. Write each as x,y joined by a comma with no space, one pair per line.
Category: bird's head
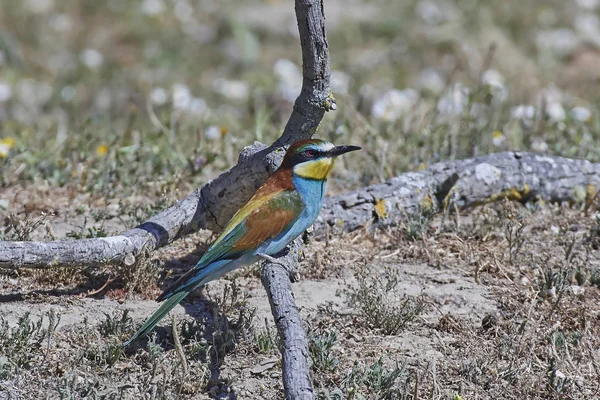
313,158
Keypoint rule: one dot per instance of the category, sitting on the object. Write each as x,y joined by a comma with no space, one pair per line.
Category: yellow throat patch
317,169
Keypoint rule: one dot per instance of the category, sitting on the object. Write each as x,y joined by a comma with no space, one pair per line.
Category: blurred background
117,98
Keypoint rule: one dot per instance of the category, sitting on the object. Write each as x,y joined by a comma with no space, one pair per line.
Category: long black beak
339,150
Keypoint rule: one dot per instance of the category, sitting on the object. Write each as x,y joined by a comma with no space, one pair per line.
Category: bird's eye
309,153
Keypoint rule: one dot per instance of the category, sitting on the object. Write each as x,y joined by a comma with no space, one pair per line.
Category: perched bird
281,209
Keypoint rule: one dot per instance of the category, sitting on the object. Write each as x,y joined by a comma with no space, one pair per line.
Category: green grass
109,141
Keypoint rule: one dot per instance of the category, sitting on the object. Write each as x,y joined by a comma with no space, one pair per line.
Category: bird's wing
259,220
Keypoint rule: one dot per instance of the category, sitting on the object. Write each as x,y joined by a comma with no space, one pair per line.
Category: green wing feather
269,219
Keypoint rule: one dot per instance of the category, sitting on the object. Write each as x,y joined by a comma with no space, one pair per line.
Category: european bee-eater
281,209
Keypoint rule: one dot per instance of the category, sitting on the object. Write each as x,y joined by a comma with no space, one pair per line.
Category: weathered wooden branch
294,346
462,184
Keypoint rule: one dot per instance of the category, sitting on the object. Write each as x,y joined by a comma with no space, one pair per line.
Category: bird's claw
268,258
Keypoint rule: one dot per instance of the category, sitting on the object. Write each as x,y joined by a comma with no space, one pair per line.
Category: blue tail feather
176,293
157,316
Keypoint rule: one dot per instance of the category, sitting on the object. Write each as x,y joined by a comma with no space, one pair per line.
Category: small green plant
117,324
104,354
20,342
264,341
552,280
374,381
20,228
378,304
233,303
514,226
231,323
320,346
417,223
79,385
595,277
154,355
192,335
90,233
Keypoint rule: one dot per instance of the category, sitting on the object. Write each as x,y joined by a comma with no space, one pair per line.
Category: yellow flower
5,145
498,138
102,150
224,130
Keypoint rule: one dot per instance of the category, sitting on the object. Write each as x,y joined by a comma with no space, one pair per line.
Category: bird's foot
268,258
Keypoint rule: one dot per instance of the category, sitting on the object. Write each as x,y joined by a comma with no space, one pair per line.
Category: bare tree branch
462,183
294,346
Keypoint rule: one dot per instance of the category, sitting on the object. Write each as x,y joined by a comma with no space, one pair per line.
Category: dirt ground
499,302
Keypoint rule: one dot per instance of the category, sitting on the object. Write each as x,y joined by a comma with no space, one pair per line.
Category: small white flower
559,374
581,114
61,23
32,92
454,102
429,11
232,89
539,145
560,41
430,80
5,92
181,96
341,130
159,96
197,106
498,139
491,77
495,81
556,112
289,77
183,10
103,99
213,132
588,26
92,58
523,112
153,7
40,6
394,104
68,93
587,4
340,82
